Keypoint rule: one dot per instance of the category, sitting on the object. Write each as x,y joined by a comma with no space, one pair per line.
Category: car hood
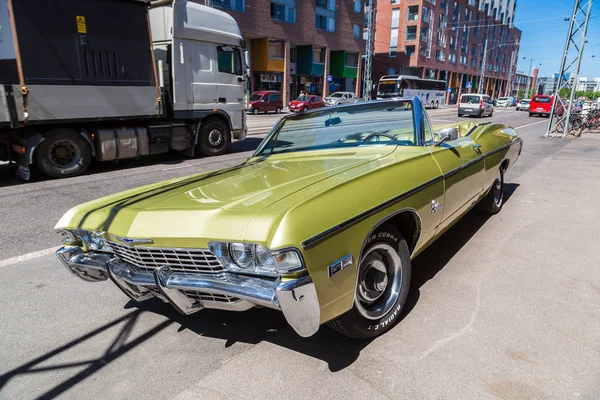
296,102
218,204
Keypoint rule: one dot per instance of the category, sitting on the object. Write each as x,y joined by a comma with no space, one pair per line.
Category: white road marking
441,120
27,257
535,123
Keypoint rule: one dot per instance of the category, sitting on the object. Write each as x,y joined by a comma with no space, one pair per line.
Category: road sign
469,85
449,90
329,78
81,25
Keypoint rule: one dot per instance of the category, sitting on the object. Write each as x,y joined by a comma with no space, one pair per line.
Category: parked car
542,105
504,102
264,102
337,98
285,230
305,103
523,105
479,105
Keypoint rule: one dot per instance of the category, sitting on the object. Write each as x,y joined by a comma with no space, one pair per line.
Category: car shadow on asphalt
8,178
253,326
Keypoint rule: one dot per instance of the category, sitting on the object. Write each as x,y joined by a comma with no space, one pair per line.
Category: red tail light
481,104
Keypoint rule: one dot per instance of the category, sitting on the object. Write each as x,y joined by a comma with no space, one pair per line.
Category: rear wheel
460,115
278,110
214,138
63,153
530,114
255,111
305,109
382,286
492,203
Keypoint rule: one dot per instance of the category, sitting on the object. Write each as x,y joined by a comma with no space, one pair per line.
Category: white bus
432,93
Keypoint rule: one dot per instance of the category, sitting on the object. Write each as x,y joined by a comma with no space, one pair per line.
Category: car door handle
477,148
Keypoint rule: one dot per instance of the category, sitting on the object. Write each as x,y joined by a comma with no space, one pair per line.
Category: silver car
523,105
337,98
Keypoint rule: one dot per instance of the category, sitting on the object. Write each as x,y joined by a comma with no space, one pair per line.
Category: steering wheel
387,135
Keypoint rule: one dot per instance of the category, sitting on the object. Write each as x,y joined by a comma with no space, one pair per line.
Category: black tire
305,109
492,203
64,153
480,114
215,137
492,113
255,111
460,115
392,298
278,110
530,114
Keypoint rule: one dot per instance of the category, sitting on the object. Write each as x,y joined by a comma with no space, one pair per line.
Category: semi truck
108,80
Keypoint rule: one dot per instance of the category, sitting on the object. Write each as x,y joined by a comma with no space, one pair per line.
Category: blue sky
545,33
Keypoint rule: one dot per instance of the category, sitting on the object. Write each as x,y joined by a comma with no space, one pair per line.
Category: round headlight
242,254
264,258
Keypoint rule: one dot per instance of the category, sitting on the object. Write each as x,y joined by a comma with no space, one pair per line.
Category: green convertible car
320,223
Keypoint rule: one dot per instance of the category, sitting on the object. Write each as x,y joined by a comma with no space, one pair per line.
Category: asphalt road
503,307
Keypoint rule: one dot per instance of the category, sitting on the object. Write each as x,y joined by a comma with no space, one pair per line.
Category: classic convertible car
320,223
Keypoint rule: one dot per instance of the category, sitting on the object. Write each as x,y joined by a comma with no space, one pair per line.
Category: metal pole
511,75
528,79
368,80
482,78
558,126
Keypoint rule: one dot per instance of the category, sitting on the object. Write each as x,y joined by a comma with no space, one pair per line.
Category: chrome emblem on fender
133,240
340,265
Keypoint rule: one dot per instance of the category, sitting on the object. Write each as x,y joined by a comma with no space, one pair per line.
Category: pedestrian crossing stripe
81,26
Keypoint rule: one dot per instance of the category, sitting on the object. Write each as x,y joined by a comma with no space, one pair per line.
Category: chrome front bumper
296,298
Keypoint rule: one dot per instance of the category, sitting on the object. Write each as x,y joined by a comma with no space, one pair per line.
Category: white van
479,105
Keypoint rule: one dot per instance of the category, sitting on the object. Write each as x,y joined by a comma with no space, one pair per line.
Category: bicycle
590,122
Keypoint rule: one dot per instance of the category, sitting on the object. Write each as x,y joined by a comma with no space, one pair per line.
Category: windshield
524,101
470,99
337,95
352,127
255,97
503,99
388,89
302,98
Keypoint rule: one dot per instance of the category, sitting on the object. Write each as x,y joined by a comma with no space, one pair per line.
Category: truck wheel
214,138
63,153
382,286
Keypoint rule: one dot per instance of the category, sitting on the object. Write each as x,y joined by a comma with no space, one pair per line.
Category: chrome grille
179,260
199,296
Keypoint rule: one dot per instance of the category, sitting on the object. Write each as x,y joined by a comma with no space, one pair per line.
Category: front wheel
255,111
278,110
382,286
63,153
305,109
492,203
214,138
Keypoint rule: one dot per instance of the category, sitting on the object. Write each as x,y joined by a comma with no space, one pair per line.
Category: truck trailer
108,80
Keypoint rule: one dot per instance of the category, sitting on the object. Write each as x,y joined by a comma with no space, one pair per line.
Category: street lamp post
528,77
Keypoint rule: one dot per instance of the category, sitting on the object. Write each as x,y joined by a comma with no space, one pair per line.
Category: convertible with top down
320,223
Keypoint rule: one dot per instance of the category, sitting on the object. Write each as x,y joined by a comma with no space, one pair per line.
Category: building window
425,14
395,18
352,60
424,34
411,33
328,4
356,29
325,23
276,49
319,55
235,5
293,55
409,50
413,13
422,51
391,71
474,63
439,55
357,6
393,51
393,41
282,12
229,60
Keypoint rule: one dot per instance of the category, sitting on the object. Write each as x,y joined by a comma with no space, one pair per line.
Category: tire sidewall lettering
388,319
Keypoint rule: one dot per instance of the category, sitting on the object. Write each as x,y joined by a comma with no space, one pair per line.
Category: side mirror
446,135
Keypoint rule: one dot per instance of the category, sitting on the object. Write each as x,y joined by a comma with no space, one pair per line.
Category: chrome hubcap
215,137
498,190
379,281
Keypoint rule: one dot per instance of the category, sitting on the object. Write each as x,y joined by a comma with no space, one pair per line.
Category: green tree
521,94
564,93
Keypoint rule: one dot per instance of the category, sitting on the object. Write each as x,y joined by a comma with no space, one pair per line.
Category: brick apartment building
296,44
445,39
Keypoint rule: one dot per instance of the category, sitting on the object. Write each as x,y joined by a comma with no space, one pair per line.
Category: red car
305,103
264,102
542,105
